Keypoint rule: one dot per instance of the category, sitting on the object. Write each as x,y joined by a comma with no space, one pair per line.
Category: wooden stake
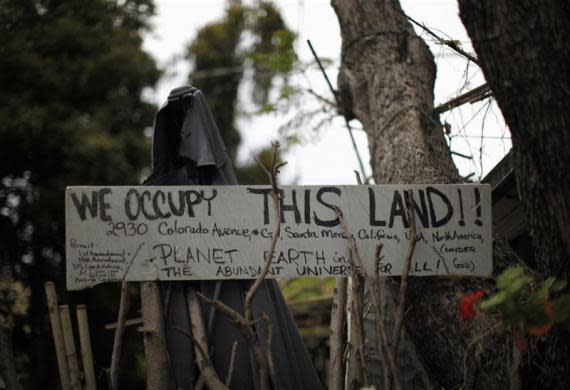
70,351
57,333
85,342
118,341
156,355
337,336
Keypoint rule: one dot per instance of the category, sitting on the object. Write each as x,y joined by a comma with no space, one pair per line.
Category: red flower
467,305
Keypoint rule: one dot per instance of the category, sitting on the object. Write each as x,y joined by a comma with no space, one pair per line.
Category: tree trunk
523,49
524,52
386,80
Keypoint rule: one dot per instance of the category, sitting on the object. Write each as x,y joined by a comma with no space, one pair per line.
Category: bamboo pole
85,342
70,351
57,333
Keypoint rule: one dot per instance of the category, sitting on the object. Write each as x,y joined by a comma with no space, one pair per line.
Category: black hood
186,137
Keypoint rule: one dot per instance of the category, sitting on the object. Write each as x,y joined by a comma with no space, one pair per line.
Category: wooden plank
222,232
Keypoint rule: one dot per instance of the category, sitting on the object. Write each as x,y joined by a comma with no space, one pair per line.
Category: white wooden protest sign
223,232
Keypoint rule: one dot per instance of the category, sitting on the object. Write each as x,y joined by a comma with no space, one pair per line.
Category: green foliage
71,78
14,300
527,306
272,52
220,58
70,103
307,287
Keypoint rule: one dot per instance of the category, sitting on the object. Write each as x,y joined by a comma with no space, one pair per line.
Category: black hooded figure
188,150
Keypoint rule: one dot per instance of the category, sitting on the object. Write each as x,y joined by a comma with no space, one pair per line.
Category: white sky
331,159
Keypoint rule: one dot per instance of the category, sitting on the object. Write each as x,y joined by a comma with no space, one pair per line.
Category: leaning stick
69,343
85,343
57,335
118,340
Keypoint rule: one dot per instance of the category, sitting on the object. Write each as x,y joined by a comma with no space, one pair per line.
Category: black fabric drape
188,150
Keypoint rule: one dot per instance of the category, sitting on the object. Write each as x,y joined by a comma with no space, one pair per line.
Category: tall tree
221,54
386,80
524,54
71,78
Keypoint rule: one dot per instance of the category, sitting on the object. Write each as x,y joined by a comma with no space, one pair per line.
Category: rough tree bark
524,52
386,80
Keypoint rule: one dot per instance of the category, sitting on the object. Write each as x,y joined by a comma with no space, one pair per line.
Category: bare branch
272,367
447,42
247,331
244,323
199,339
476,94
275,194
321,98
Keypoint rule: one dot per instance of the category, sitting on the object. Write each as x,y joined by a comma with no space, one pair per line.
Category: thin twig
232,364
275,194
447,42
244,323
118,340
272,367
321,98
